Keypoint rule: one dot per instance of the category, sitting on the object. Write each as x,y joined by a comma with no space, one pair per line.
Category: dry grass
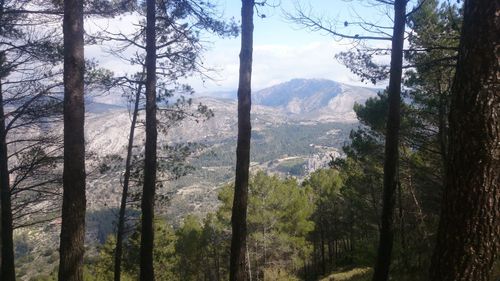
356,274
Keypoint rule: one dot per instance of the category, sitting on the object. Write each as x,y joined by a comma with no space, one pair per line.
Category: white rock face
312,102
296,105
340,108
107,133
315,100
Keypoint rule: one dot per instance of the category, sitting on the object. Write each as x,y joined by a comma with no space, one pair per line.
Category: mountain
310,99
296,101
297,126
314,99
299,95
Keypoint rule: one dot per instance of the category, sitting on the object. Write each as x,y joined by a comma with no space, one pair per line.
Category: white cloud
272,63
125,24
276,63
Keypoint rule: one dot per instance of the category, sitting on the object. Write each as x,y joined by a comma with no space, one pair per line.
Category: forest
413,195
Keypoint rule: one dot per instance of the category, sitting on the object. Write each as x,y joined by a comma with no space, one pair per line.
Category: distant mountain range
299,95
297,126
302,121
295,101
299,99
309,99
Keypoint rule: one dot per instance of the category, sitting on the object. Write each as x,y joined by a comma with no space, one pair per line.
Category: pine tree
120,231
30,103
7,243
391,160
468,237
71,247
239,210
149,187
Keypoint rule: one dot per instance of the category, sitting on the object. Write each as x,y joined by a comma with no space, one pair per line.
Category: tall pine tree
71,247
468,238
239,211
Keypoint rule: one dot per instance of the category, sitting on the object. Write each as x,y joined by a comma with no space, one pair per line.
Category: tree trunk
330,250
381,272
402,228
239,211
74,202
7,260
336,249
126,179
148,193
216,263
322,249
443,127
314,261
468,238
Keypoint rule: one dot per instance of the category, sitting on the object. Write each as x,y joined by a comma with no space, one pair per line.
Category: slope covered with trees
413,196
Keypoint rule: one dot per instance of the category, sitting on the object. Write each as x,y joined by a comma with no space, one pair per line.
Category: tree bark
322,249
74,202
148,193
7,244
239,211
469,230
126,180
391,162
443,128
216,263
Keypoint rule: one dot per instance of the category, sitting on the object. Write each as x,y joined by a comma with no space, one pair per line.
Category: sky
283,50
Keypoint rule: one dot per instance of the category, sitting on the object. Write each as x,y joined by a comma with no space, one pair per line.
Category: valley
297,127
292,135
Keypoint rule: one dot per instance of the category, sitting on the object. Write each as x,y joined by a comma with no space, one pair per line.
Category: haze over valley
222,140
296,127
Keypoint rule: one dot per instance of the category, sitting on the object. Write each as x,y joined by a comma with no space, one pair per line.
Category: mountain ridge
321,99
286,142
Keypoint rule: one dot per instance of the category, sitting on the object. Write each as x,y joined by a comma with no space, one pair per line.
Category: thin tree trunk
468,238
71,247
7,260
239,211
382,265
148,193
314,261
375,202
306,272
249,264
216,263
322,247
330,250
126,179
335,249
264,249
402,224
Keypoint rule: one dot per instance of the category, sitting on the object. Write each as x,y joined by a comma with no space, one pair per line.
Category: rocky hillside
297,127
310,99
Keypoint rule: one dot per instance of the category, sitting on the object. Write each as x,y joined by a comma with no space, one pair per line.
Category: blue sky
282,50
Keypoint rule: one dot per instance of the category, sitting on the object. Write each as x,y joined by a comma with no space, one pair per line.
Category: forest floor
365,274
355,274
